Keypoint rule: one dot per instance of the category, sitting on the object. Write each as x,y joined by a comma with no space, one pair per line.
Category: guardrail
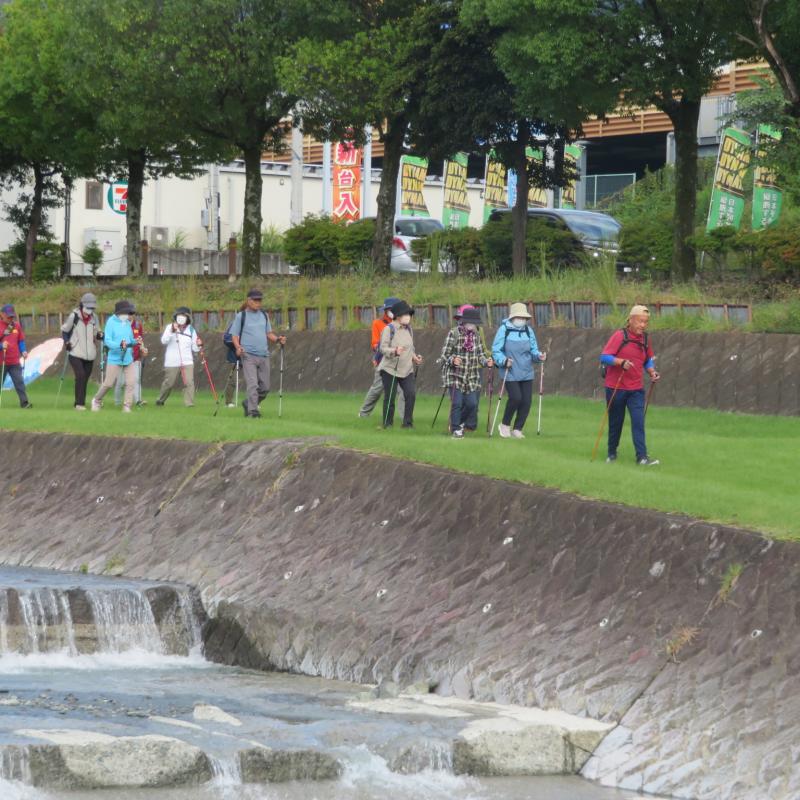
556,313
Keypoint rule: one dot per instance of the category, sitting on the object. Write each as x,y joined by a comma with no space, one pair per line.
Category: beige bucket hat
518,310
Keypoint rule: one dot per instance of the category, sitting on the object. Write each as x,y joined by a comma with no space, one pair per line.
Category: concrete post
296,174
232,258
145,265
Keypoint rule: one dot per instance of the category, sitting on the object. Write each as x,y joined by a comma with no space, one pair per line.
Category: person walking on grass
81,334
626,356
462,357
376,390
12,353
119,341
398,363
139,354
515,351
181,342
251,333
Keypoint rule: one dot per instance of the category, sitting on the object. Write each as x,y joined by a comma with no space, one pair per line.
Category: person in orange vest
12,352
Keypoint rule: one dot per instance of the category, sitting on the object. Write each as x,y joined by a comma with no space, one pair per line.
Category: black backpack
626,340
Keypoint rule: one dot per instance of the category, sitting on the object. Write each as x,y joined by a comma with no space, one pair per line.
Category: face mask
471,326
405,319
124,317
181,319
518,322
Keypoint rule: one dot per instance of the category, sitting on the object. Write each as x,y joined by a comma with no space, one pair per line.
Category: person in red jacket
376,390
626,357
12,352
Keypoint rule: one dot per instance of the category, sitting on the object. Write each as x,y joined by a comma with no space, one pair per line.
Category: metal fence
556,313
599,187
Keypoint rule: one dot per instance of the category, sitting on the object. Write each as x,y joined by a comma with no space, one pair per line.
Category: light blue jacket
115,331
520,346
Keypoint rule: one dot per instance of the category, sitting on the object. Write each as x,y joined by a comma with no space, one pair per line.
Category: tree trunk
387,193
35,221
251,224
137,160
684,115
519,214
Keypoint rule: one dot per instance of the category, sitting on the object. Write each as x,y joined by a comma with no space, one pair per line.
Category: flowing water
82,655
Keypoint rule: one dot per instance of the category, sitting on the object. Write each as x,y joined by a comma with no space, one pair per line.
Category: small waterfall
124,621
226,770
47,619
191,624
14,765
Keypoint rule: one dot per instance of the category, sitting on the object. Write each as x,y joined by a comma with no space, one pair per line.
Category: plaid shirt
467,377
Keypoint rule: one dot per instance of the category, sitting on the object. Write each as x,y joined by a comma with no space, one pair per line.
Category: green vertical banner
456,208
537,197
413,172
494,187
727,196
767,197
572,155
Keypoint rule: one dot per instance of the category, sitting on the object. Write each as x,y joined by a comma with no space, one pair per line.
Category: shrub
93,256
313,245
273,240
49,260
355,243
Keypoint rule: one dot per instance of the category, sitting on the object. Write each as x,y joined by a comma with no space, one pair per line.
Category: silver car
406,229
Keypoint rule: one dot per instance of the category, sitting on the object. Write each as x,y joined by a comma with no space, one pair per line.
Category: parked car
594,233
406,229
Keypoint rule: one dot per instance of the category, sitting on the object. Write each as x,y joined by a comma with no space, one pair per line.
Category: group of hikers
514,352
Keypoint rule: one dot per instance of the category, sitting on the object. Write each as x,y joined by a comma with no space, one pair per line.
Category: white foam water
124,621
23,663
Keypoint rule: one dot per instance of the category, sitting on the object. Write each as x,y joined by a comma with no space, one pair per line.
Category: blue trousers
633,400
463,409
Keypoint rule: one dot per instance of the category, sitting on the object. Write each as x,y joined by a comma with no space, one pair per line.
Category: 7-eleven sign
118,197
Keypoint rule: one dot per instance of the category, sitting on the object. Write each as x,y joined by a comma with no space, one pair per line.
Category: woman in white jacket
181,342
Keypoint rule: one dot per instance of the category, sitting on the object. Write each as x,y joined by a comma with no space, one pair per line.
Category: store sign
118,198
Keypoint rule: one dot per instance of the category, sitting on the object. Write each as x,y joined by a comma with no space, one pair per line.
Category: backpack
515,330
377,356
227,337
626,340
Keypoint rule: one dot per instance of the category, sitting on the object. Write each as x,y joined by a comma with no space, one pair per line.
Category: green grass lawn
730,468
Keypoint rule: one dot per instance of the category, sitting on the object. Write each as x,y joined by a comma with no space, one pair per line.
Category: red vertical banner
346,182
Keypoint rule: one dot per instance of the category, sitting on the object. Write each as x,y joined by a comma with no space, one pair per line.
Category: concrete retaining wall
752,373
334,563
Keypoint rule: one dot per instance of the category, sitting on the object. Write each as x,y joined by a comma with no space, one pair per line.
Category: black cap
182,310
255,294
472,315
124,307
402,308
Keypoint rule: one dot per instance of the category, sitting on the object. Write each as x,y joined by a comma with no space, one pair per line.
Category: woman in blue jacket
119,340
515,351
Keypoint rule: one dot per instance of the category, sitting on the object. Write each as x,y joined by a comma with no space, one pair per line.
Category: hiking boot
648,462
255,414
27,405
126,409
80,408
407,425
504,431
96,404
611,458
458,433
140,403
159,402
517,434
362,415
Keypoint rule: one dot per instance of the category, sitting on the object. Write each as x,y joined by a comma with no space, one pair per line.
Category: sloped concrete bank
333,563
755,373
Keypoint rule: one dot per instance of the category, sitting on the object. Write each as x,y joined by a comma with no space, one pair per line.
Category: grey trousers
171,375
137,388
256,378
374,394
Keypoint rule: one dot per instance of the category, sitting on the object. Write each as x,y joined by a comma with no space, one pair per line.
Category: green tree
123,57
664,53
93,256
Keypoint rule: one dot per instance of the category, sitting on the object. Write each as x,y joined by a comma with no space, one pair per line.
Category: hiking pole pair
605,414
499,398
235,367
61,379
541,390
280,387
208,374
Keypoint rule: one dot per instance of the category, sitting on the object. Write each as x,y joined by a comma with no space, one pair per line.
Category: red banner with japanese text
346,182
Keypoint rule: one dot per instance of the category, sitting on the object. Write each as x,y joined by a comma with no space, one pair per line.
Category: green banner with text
767,197
412,180
727,196
456,206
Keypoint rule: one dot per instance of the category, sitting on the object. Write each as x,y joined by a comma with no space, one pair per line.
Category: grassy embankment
601,285
730,468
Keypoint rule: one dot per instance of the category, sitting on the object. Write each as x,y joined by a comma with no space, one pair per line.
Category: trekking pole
441,400
208,373
499,398
224,391
541,390
2,377
605,415
236,392
490,395
102,360
61,379
649,396
280,388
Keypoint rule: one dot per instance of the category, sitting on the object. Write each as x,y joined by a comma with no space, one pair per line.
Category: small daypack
378,356
626,340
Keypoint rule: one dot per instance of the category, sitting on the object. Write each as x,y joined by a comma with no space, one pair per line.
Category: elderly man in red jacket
12,352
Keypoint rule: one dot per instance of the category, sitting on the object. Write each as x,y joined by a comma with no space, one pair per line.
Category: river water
135,683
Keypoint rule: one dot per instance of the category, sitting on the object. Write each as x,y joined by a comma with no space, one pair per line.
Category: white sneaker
80,408
126,409
96,404
504,431
230,405
517,434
